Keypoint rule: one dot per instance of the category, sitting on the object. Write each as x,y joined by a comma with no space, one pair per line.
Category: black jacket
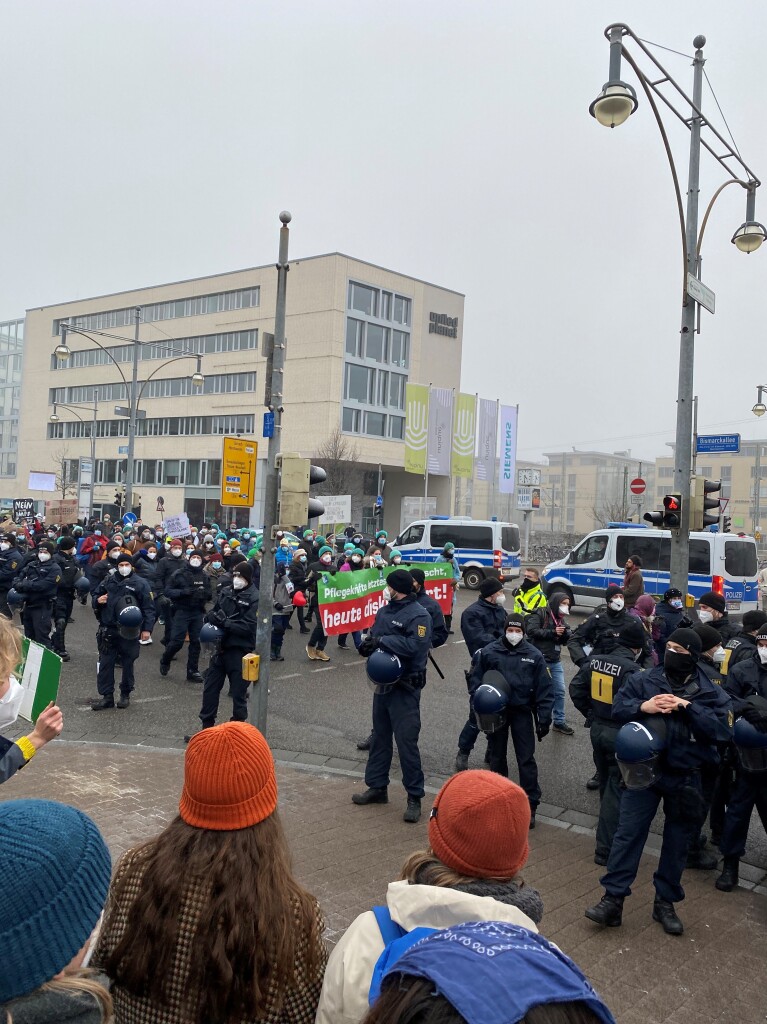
738,648
188,587
747,679
38,582
122,591
297,575
667,619
726,629
481,623
602,624
540,630
404,628
167,566
70,572
594,686
146,568
439,633
524,669
10,565
236,612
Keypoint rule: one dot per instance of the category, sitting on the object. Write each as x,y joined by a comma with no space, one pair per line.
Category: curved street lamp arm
714,197
104,349
162,366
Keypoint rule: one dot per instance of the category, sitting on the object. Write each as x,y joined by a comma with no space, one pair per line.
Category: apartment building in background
11,360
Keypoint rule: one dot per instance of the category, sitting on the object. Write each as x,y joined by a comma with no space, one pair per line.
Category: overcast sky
156,140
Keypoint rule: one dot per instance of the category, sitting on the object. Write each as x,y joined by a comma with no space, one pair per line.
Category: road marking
328,669
293,675
459,641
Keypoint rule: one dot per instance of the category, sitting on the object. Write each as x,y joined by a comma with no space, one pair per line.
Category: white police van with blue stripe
484,547
723,562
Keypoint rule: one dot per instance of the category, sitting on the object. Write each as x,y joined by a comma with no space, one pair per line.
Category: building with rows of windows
356,333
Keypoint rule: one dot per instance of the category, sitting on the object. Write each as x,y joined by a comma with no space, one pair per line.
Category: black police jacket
481,623
439,633
146,568
667,619
404,628
738,648
38,582
601,625
122,591
711,669
97,573
70,572
540,630
10,565
693,732
236,612
726,629
594,686
188,587
165,569
747,679
524,669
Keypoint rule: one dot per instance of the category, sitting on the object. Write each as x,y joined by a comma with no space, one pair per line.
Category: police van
722,562
484,548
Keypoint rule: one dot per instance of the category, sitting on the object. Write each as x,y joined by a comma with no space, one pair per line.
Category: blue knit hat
56,869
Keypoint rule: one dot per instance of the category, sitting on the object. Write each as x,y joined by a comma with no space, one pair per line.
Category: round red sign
638,486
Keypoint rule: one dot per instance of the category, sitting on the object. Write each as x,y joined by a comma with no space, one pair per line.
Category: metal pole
93,458
258,705
132,421
527,536
680,539
694,455
757,487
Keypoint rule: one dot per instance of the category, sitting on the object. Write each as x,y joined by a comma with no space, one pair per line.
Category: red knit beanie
176,543
229,779
479,824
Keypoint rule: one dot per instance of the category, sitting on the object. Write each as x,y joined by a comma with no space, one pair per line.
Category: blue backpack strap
396,943
390,930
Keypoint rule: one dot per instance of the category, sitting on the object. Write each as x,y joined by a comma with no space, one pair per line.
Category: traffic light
699,517
726,524
297,475
378,508
670,518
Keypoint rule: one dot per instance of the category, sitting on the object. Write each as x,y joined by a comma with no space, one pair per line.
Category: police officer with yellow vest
742,646
529,596
592,691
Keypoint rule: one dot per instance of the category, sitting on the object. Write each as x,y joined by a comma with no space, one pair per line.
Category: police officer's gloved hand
542,730
368,645
752,715
218,617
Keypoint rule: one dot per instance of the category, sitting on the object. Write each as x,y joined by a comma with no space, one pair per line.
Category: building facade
11,360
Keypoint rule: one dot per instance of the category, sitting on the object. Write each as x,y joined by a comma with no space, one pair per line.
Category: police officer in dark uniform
481,623
169,563
119,591
65,595
712,611
606,622
10,563
38,582
697,715
189,589
439,633
530,708
592,691
402,627
743,645
747,685
236,613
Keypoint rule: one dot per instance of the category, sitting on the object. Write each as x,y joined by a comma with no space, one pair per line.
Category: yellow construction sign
238,472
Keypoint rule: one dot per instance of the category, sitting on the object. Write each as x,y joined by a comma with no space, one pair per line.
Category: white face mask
195,562
500,598
239,583
44,556
762,652
326,559
4,546
513,637
10,704
706,617
114,555
386,594
355,560
124,570
151,554
718,656
617,604
564,610
176,552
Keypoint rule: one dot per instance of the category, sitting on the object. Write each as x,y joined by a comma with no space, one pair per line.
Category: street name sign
712,443
703,295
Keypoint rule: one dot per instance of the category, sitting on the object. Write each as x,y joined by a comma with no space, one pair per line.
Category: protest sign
39,675
349,601
65,510
176,526
23,508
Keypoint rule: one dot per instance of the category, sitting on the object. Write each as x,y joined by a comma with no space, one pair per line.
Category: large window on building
217,302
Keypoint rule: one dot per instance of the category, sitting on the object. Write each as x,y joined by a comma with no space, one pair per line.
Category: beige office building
356,333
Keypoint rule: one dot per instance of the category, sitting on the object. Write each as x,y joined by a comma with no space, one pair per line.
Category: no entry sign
638,486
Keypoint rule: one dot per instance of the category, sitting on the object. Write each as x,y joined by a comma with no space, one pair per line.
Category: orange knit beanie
478,825
229,779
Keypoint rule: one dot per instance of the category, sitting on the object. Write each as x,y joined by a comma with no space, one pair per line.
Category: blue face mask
676,602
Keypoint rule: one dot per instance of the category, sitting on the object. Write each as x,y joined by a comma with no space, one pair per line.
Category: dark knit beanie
709,636
753,620
489,587
418,575
112,544
244,569
67,543
688,639
401,581
632,634
713,600
55,868
613,591
515,620
47,545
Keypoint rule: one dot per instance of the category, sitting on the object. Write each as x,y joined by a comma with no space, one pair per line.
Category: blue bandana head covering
493,973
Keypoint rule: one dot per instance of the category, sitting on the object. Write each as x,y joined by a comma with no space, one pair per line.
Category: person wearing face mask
604,623
38,583
741,647
380,546
481,623
547,630
592,691
315,649
236,613
65,594
529,597
297,576
402,628
145,565
189,590
669,615
697,716
531,703
167,566
215,569
118,642
447,554
746,683
10,564
96,574
94,545
633,581
712,611
283,555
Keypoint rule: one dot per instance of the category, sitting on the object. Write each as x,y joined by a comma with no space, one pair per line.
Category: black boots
365,744
663,912
701,860
371,796
729,876
609,911
102,704
461,761
449,623
413,812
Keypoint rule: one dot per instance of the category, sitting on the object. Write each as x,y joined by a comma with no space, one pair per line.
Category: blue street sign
379,501
712,443
268,424
129,518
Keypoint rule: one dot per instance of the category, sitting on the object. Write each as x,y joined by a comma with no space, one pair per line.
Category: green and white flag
464,436
416,427
39,675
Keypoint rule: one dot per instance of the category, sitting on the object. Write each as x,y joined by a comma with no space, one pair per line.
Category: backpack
396,943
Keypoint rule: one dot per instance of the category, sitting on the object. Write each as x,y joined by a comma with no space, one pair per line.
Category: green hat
325,550
308,534
395,553
348,546
450,545
358,551
381,533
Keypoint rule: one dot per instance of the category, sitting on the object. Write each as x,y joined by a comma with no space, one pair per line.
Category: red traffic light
671,503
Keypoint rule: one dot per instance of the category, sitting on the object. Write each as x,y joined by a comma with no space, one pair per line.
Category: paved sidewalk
347,855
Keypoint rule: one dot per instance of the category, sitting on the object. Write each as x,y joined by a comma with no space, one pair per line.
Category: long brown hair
248,921
424,868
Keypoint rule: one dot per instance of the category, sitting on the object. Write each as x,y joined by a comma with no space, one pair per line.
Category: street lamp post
759,409
54,418
614,105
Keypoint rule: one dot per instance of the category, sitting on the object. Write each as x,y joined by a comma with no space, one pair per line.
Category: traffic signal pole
258,702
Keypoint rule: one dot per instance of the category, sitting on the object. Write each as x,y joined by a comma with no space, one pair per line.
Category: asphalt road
319,708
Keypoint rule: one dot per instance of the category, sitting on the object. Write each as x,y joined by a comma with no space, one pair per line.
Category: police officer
119,591
697,715
529,596
171,561
743,645
481,623
531,705
38,582
236,613
439,632
189,589
718,779
10,563
592,691
547,629
712,611
402,627
606,622
65,595
747,685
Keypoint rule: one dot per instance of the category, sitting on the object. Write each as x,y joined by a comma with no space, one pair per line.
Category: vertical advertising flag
507,464
416,427
440,435
464,436
487,437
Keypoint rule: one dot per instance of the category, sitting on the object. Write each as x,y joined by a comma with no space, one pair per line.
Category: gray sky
152,141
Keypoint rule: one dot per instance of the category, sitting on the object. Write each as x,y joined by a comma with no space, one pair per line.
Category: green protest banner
39,674
348,601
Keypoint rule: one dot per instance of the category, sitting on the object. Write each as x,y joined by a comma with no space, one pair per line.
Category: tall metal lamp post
759,409
616,102
73,406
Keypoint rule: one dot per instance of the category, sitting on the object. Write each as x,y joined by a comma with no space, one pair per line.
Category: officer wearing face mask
38,583
189,590
697,716
741,647
119,643
547,630
669,615
529,596
172,560
481,623
10,563
530,706
712,611
606,622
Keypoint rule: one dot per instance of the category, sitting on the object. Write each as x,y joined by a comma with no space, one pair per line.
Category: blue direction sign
268,424
712,443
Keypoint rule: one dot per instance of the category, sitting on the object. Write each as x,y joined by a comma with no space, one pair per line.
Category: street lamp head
54,417
759,409
615,104
749,236
62,351
197,379
286,217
